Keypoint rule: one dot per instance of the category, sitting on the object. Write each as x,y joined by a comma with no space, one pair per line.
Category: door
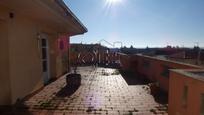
45,59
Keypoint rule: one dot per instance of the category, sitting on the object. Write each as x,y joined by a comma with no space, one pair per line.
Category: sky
141,23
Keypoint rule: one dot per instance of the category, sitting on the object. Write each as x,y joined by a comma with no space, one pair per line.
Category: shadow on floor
73,83
161,98
159,95
17,109
132,79
67,91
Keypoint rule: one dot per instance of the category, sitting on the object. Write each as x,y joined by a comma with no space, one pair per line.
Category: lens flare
113,1
112,7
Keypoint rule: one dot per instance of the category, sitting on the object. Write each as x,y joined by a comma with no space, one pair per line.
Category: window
165,71
202,104
44,53
185,96
43,43
44,66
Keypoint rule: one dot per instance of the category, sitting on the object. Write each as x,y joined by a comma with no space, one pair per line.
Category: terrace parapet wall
186,92
152,68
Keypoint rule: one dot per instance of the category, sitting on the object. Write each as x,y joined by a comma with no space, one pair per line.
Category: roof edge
64,6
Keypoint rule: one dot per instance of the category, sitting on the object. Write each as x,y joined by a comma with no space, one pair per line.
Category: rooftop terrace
102,91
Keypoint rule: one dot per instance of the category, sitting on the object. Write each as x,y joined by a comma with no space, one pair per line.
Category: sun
113,6
113,1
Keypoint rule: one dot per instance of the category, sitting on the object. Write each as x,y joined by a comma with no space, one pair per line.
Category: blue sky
141,23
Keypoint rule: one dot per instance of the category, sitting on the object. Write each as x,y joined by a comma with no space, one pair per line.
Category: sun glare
112,6
113,1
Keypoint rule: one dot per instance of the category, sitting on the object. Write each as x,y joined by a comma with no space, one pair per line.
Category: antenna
106,42
199,51
118,42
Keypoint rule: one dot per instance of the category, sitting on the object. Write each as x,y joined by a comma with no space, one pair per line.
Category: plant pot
73,79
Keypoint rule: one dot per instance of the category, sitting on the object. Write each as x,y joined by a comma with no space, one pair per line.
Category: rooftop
102,91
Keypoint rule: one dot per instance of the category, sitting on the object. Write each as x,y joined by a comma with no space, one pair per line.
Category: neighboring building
191,56
34,45
168,50
144,51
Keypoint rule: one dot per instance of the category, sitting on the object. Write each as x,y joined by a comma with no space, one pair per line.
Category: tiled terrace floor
100,93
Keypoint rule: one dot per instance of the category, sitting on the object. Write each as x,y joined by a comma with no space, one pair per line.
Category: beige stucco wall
57,67
4,64
20,60
25,68
52,51
61,67
25,63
